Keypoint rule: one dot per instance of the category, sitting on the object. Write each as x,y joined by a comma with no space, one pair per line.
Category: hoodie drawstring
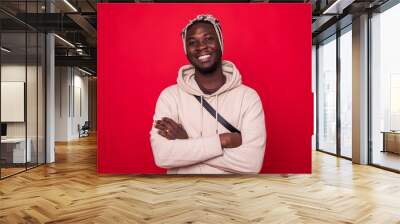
216,116
201,132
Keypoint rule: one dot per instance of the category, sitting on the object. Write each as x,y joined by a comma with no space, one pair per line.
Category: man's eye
191,43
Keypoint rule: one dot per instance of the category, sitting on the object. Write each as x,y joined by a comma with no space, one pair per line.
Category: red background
140,51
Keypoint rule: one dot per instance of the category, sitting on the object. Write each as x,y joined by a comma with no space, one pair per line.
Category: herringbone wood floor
70,191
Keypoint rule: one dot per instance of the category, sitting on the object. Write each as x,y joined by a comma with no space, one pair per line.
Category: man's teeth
204,57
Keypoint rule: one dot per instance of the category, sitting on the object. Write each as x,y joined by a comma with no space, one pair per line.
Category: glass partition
41,107
22,88
14,153
32,95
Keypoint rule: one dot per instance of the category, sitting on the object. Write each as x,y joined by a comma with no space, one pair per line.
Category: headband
204,18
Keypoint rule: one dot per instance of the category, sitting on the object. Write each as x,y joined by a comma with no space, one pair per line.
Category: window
327,95
385,88
346,93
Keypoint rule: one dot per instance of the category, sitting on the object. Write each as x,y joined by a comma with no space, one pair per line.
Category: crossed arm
233,152
172,130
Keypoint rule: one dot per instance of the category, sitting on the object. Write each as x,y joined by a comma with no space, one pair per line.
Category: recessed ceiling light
70,5
84,71
5,50
337,7
64,40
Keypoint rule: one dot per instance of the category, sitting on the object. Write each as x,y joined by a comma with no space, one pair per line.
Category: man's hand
169,129
230,140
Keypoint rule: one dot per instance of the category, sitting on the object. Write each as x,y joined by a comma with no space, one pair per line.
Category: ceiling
72,20
76,22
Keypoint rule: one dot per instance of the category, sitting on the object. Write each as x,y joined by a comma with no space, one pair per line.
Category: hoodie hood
188,84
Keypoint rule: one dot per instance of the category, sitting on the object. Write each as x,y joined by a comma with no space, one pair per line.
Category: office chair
84,130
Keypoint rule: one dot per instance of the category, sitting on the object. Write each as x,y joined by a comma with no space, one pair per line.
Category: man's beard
212,68
209,70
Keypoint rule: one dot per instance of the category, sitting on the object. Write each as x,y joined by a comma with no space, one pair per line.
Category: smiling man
209,122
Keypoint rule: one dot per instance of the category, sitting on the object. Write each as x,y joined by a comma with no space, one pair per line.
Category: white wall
81,84
62,81
71,93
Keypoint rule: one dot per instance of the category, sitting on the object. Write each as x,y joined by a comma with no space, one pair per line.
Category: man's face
202,47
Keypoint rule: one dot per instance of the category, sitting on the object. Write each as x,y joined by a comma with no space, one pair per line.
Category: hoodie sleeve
247,158
180,152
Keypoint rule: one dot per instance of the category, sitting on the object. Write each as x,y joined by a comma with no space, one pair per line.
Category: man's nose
201,45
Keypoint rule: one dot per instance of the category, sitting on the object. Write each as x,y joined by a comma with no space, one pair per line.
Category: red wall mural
140,51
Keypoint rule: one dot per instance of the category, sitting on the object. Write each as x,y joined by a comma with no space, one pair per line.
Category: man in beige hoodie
188,138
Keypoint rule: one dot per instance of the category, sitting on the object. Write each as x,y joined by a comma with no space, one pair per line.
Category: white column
63,99
50,100
50,93
360,89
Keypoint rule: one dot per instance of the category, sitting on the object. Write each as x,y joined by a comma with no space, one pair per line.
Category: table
13,150
391,141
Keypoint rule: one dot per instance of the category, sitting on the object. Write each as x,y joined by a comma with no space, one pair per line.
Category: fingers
230,140
166,129
163,125
238,138
171,125
160,125
169,128
178,130
170,122
166,134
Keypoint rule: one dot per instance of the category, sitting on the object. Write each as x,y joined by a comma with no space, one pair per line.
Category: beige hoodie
202,153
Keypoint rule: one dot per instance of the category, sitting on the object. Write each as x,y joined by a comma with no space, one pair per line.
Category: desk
13,150
391,141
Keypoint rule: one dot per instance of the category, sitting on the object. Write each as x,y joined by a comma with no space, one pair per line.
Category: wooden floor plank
70,191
